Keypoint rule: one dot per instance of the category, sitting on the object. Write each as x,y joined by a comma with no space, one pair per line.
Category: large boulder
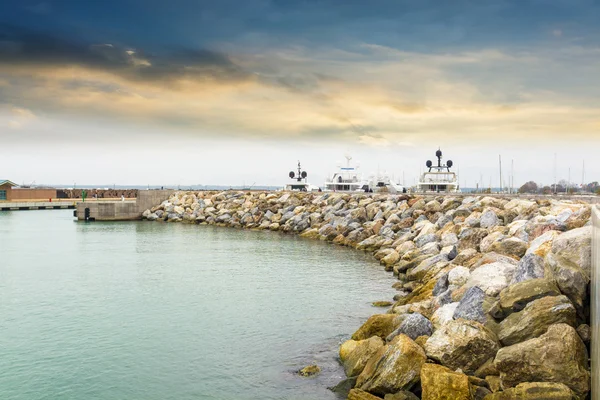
471,306
488,219
516,296
513,247
535,391
438,383
358,394
542,244
444,314
531,266
557,356
471,238
395,367
458,276
413,326
462,344
377,325
355,354
535,319
492,278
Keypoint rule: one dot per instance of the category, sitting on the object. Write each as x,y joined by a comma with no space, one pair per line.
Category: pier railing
595,302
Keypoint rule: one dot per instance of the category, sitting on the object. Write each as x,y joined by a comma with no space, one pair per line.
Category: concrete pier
121,210
36,205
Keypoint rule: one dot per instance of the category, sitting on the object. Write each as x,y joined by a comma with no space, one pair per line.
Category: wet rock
413,326
558,356
516,296
438,382
311,370
356,354
531,266
343,388
358,394
382,303
462,344
535,319
401,395
377,325
394,367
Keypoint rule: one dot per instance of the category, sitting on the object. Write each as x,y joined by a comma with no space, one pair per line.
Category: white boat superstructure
298,182
347,179
439,178
382,182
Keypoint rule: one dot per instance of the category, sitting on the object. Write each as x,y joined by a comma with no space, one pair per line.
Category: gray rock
413,326
450,251
441,285
449,239
531,266
423,240
471,306
488,219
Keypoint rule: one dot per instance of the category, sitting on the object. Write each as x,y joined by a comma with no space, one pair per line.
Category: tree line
561,187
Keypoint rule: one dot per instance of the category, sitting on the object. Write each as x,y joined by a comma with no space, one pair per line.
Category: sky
236,92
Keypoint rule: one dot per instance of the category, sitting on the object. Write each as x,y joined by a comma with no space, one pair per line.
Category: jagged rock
471,238
488,219
488,368
443,314
449,239
356,354
462,344
391,258
494,383
516,296
441,285
343,388
520,206
422,240
381,303
358,394
492,278
535,391
401,395
413,326
450,252
557,356
432,248
471,306
489,240
426,266
535,319
531,266
394,367
309,371
465,255
458,276
377,325
438,382
585,333
542,244
511,247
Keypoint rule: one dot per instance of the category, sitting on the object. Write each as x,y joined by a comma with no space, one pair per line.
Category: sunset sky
231,92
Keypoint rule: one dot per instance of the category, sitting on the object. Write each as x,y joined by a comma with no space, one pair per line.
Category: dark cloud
19,46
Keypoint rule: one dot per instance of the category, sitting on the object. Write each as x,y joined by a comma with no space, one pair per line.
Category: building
10,192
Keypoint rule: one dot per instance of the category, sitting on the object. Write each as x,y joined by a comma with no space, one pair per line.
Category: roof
5,181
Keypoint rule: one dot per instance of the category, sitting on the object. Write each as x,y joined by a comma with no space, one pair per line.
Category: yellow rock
438,382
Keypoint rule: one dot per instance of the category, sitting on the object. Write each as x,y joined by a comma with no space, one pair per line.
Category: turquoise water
141,310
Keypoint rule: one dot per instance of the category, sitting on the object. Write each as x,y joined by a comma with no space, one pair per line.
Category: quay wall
121,210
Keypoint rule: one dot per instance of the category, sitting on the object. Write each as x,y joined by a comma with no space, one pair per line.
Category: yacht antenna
500,161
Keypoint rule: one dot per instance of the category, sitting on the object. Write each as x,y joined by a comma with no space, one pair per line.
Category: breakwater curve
492,293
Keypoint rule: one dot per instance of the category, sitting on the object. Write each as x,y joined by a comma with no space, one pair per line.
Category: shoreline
457,259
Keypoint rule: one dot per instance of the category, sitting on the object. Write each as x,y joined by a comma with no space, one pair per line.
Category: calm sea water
141,310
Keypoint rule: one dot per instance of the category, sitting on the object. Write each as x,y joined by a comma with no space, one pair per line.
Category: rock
531,266
441,285
479,392
494,383
535,391
394,367
471,306
355,355
492,278
516,296
458,276
542,245
343,388
401,395
377,325
443,314
464,256
535,319
462,344
487,242
391,258
422,240
413,326
471,238
438,382
432,248
585,333
488,219
449,239
357,394
450,252
309,371
382,303
421,340
574,248
511,247
426,266
571,280
520,206
488,368
557,356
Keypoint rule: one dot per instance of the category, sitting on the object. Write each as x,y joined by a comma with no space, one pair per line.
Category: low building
10,192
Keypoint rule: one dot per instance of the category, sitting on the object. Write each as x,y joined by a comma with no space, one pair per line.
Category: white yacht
347,179
439,178
298,182
382,182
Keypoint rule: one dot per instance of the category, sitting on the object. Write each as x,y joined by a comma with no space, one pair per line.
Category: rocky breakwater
492,298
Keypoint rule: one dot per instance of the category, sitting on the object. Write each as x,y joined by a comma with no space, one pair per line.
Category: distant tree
546,190
529,187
